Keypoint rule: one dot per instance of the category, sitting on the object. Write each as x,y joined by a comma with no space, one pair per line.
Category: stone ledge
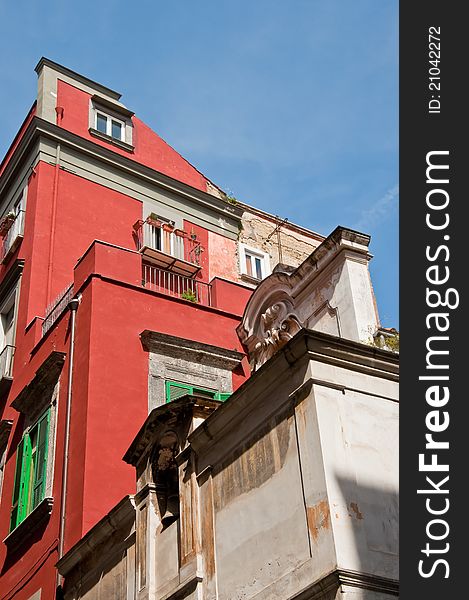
110,140
176,347
26,528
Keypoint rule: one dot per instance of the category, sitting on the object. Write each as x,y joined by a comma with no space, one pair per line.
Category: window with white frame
7,333
113,122
110,126
254,263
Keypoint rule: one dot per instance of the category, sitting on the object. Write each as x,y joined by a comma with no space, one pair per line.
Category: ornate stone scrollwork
278,324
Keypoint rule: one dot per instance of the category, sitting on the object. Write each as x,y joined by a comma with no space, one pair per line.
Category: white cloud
379,212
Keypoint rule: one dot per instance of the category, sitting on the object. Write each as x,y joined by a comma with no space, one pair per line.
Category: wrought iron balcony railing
56,308
177,286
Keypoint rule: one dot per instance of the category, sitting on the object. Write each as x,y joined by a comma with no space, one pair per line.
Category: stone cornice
123,512
115,106
325,587
31,523
36,395
41,128
158,419
177,347
11,277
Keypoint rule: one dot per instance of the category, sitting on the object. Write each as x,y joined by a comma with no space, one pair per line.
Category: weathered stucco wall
286,490
295,246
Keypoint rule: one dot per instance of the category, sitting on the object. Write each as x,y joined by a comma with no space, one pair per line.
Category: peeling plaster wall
223,257
295,246
260,525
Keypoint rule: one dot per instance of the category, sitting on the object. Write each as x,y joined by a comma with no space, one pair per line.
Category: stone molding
176,347
328,585
29,525
121,513
286,301
37,394
160,418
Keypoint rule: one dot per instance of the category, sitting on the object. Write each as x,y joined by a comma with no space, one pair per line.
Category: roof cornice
46,62
41,128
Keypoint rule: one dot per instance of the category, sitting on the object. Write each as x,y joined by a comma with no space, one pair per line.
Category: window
175,390
12,226
7,333
110,126
31,469
254,263
111,121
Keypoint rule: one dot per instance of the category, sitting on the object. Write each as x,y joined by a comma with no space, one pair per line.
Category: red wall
65,214
149,148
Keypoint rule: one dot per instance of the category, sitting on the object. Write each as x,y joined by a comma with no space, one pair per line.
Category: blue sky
290,106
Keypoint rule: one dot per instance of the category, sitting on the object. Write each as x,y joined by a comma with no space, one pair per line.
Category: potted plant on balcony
189,295
153,219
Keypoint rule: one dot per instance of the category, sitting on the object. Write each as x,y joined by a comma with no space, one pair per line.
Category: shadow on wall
366,524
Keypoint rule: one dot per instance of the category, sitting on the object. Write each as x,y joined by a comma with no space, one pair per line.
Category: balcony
177,286
6,364
56,308
13,228
168,248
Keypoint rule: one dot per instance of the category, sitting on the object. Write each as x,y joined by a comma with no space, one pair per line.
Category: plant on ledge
189,295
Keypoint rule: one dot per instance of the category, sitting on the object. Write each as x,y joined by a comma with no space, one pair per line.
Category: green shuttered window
175,390
31,469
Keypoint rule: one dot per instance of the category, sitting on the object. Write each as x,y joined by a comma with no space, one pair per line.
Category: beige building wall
286,491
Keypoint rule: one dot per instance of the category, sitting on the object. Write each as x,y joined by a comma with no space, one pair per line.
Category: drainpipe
55,191
73,305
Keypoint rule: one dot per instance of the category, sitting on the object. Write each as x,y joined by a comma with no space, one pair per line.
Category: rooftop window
110,126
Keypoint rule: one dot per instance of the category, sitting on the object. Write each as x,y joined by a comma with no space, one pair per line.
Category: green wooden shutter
17,485
22,482
176,390
25,480
40,466
221,396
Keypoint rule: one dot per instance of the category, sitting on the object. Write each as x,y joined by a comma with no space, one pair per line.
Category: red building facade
109,238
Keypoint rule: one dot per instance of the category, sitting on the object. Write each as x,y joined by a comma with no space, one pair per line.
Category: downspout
55,191
73,305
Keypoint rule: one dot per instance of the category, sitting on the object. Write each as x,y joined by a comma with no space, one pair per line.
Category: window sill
110,140
26,528
250,279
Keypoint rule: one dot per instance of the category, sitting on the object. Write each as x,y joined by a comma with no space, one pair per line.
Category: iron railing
15,231
177,286
6,361
56,308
